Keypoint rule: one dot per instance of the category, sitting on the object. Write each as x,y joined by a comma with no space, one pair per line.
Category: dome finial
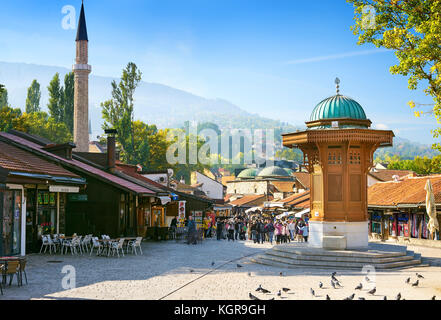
337,82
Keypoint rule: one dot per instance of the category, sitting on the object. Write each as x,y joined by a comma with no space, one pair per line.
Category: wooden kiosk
338,147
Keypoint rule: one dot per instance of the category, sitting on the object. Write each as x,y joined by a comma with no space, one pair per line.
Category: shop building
33,196
397,209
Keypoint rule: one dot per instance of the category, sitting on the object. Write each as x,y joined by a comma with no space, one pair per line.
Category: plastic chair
135,244
116,246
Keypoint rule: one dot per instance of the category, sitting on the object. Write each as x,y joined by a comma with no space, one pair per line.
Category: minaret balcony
83,67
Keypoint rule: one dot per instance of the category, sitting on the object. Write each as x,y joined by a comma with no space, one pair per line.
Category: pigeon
416,283
320,285
279,293
419,275
385,298
253,297
408,280
249,274
433,298
359,287
259,288
361,298
373,291
265,291
212,263
285,289
239,266
312,292
334,278
351,297
281,274
398,296
333,274
191,270
327,297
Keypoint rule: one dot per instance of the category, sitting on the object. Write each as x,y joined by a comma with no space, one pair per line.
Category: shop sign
77,197
65,189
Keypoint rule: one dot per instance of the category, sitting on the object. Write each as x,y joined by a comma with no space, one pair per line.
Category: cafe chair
96,244
12,268
47,242
116,246
134,244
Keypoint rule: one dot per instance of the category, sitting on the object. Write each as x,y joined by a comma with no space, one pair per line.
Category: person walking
236,229
191,231
230,230
278,231
292,229
219,227
305,232
270,231
260,232
254,231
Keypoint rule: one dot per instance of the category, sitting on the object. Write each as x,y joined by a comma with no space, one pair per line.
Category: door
10,222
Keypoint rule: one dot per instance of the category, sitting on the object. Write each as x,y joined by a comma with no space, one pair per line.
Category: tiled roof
296,199
100,174
303,178
16,159
247,199
283,186
386,174
406,191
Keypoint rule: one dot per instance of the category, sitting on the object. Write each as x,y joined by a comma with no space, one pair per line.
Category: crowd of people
254,227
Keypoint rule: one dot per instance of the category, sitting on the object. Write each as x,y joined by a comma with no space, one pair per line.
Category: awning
301,213
273,205
253,209
164,200
292,213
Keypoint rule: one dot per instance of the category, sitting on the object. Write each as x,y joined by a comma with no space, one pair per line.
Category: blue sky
275,58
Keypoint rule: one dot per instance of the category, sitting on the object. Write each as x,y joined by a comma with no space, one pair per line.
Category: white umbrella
432,226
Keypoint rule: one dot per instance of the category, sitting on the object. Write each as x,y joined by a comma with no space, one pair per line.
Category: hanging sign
65,189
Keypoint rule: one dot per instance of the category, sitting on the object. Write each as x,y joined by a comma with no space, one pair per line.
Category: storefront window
10,217
47,212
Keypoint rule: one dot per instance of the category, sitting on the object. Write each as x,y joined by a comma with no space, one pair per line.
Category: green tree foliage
68,101
56,99
290,154
33,98
118,111
4,98
412,29
40,124
7,117
420,165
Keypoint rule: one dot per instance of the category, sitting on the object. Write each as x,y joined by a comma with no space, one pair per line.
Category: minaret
81,70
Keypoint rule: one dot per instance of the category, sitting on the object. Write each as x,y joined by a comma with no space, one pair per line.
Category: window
334,155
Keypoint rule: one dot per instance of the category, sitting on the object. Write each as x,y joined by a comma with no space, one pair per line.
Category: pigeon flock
336,284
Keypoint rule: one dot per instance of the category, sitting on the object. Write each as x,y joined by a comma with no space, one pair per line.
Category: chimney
111,148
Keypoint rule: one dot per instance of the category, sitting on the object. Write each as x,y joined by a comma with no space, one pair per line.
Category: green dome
338,106
249,173
273,171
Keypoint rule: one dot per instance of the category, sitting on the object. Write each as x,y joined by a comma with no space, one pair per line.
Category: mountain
165,106
154,103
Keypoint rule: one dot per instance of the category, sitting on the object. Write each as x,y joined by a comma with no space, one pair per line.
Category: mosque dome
249,173
338,106
273,171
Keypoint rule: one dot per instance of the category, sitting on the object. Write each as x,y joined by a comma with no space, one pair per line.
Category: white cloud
381,126
336,56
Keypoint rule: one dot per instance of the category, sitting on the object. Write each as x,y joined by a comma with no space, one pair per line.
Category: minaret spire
81,70
82,29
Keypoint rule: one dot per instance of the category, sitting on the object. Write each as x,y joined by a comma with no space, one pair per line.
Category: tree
118,111
4,97
68,101
411,28
7,117
39,123
56,97
33,98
